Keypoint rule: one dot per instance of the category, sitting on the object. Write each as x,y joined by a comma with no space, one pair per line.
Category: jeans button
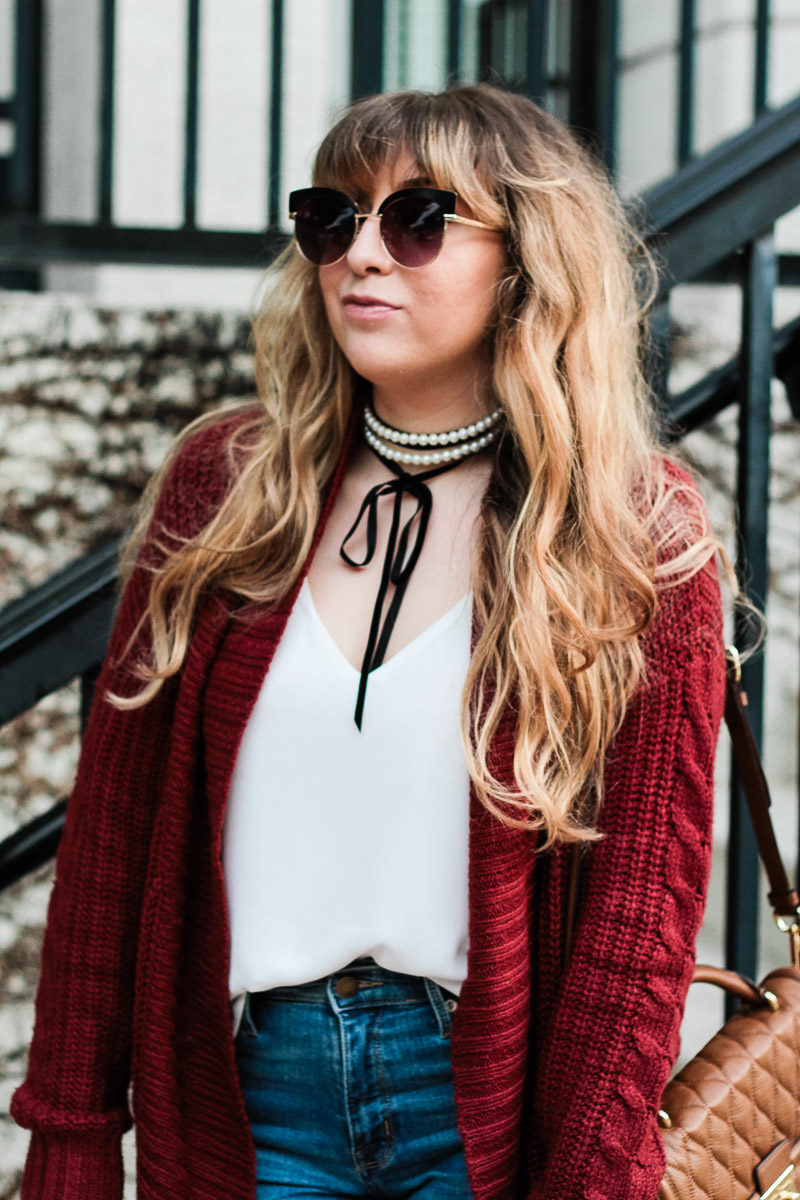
450,1004
346,987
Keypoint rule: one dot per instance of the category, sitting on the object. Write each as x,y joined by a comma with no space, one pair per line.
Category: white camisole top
339,843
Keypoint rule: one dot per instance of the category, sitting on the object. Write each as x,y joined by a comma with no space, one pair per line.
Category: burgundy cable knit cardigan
557,1078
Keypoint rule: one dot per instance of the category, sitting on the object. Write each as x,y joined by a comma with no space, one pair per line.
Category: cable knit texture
557,1076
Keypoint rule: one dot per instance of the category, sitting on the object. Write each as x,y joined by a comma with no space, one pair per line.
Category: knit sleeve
74,1097
615,1033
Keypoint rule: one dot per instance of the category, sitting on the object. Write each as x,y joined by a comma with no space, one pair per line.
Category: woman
358,707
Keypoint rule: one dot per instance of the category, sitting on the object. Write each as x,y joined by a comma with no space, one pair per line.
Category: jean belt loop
247,1022
443,1009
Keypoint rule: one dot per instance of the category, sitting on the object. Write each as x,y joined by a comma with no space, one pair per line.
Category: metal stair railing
720,388
715,218
48,637
720,202
56,631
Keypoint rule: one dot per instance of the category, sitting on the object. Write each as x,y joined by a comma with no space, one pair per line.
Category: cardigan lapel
490,1038
242,664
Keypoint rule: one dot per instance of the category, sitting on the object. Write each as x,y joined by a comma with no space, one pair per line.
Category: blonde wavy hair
580,525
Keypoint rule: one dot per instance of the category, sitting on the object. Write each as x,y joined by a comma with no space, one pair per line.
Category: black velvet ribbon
402,554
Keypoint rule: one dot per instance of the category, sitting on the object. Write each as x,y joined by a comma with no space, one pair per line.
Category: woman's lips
367,308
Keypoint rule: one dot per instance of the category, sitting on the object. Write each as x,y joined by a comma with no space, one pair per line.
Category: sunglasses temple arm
469,221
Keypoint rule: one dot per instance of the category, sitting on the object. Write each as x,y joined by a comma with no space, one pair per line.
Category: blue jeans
348,1085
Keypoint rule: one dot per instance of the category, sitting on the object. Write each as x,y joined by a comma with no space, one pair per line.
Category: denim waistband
362,983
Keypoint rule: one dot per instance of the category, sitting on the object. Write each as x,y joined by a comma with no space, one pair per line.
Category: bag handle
738,985
784,899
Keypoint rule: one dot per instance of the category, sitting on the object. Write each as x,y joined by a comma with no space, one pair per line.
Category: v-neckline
421,638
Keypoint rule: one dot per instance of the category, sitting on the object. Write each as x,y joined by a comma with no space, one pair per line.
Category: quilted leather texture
736,1100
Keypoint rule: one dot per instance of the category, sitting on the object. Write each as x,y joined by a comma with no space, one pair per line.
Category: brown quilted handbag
730,1119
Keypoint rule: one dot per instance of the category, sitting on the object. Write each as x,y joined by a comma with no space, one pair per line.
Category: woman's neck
428,410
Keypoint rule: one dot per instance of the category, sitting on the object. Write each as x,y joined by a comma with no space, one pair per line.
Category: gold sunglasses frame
431,193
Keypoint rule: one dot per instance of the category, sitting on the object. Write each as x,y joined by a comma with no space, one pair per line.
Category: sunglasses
412,224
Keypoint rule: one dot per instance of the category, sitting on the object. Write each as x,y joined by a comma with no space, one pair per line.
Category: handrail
726,165
719,388
56,631
712,206
26,241
31,846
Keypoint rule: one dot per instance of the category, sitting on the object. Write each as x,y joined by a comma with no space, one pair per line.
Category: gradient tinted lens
324,226
412,228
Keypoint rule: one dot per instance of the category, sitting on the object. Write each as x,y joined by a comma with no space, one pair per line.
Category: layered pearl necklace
455,444
405,539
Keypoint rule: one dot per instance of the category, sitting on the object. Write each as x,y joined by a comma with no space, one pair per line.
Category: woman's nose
367,251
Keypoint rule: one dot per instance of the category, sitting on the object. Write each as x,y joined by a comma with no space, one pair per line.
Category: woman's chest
393,530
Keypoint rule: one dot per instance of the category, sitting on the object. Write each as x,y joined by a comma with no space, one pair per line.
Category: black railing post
27,109
761,73
686,76
108,37
760,279
366,64
275,115
658,353
191,109
593,74
6,114
454,40
21,177
536,65
88,680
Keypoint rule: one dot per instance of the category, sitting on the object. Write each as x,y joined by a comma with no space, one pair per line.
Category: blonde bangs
442,142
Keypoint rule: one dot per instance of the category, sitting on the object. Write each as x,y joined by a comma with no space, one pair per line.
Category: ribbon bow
399,560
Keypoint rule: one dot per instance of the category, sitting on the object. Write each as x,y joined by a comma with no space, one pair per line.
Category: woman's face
401,327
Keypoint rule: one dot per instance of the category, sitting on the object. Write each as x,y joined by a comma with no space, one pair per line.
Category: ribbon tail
391,619
371,658
402,567
397,567
360,699
404,562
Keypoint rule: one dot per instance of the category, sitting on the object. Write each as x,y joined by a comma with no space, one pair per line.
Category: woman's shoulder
684,489
676,517
672,481
685,546
209,451
201,467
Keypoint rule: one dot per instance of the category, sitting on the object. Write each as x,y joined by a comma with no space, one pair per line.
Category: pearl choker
404,541
453,445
